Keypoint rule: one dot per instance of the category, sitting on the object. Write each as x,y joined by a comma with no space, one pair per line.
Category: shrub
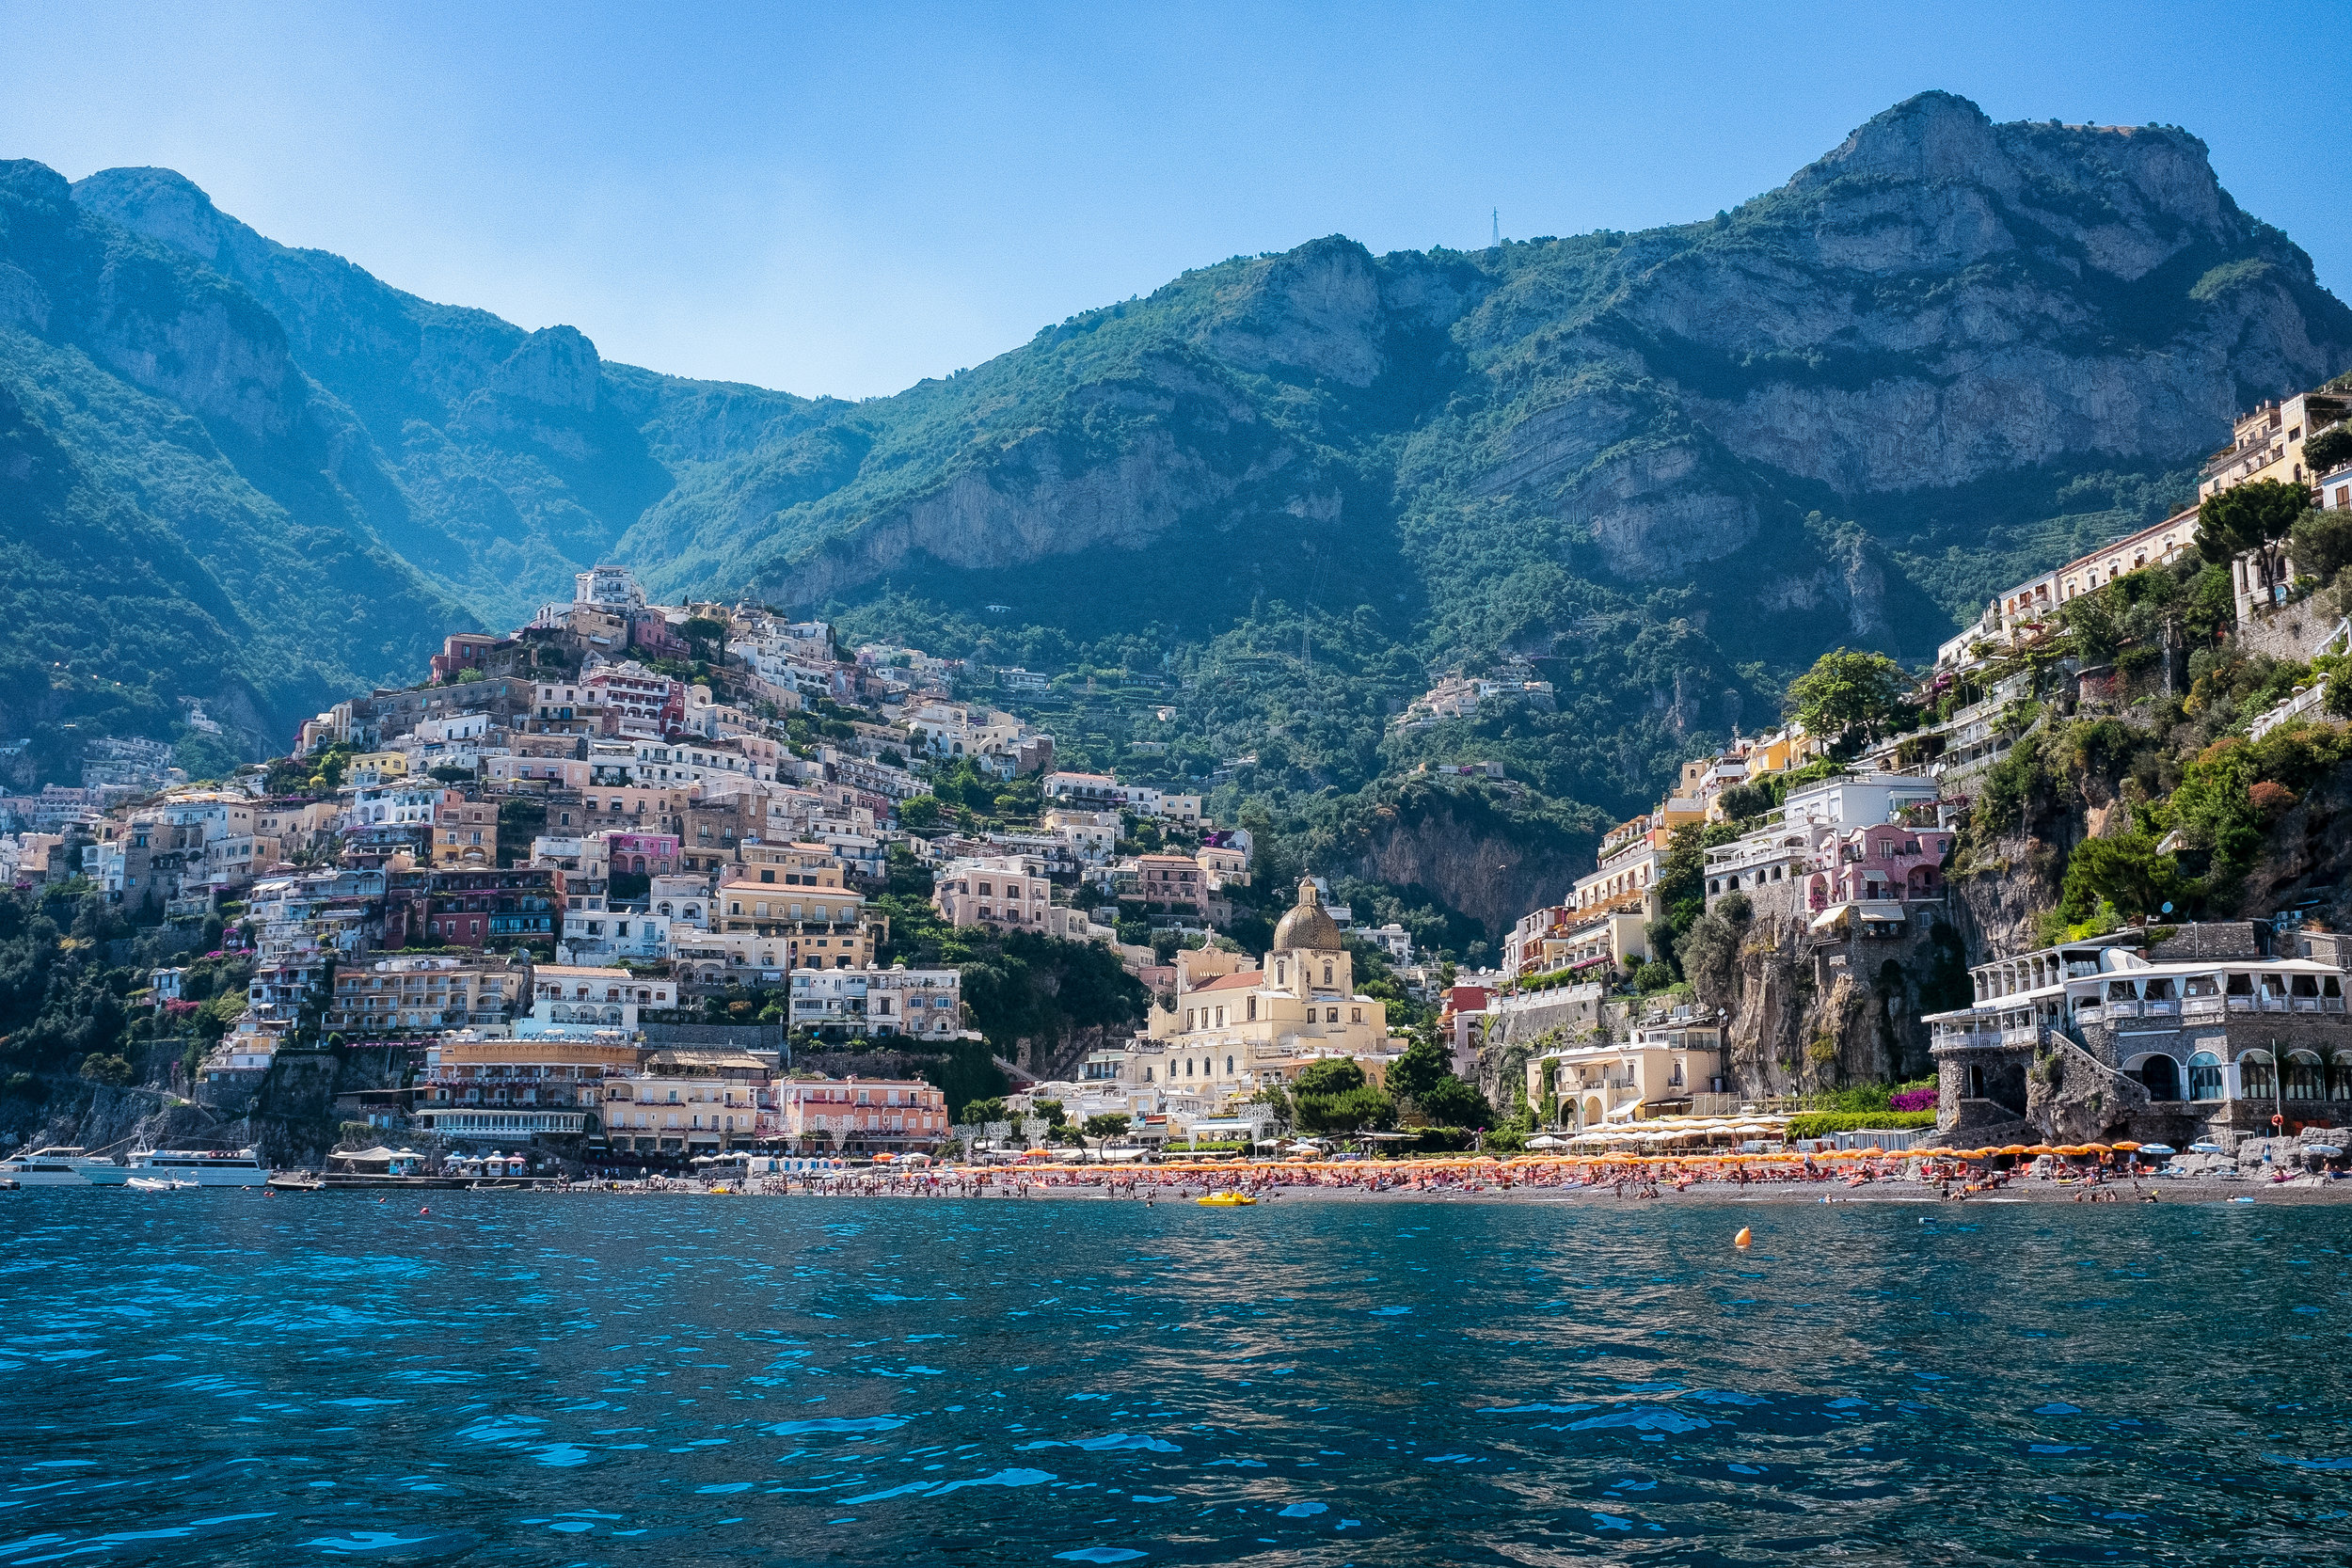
114,1070
1815,1124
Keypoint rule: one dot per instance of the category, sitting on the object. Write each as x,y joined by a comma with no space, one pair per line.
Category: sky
845,199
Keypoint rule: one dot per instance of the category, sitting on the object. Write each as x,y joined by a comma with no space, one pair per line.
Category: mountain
1663,469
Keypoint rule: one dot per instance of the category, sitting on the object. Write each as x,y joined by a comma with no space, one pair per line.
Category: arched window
2257,1076
1187,1067
1229,1067
2305,1078
2339,1076
1327,974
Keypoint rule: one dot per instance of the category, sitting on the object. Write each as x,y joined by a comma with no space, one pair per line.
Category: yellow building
1610,1083
375,767
2268,443
1228,1036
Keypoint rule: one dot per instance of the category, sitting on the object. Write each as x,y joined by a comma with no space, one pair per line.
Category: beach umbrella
2155,1149
2041,1149
2014,1148
2126,1147
2206,1149
2326,1152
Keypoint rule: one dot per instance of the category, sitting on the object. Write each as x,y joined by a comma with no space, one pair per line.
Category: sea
221,1377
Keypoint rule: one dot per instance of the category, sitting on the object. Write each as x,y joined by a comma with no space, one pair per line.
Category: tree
1455,1103
114,1070
1847,693
1348,1112
2328,450
2322,542
1105,1126
2126,872
2244,516
1423,1066
1331,1075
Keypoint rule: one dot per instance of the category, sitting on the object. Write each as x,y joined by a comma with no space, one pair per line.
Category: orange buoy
1743,1238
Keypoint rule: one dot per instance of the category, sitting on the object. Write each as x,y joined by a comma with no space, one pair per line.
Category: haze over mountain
1669,467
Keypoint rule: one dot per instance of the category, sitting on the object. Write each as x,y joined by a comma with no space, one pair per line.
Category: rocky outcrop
1807,1014
2074,1097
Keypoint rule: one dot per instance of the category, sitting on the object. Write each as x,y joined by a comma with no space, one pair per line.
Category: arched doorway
2161,1074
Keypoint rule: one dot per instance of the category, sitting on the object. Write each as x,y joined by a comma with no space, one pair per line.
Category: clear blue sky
845,197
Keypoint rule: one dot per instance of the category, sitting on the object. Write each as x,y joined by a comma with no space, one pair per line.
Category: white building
577,997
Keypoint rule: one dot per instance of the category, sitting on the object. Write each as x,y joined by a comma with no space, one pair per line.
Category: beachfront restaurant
2224,1040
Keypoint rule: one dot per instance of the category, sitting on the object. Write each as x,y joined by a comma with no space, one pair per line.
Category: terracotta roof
1243,981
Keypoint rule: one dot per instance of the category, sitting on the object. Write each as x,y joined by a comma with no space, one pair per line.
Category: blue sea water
221,1377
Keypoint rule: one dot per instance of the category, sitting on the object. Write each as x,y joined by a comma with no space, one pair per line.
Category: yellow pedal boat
1226,1200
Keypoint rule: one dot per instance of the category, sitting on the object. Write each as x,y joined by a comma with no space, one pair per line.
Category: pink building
1887,862
996,890
1174,879
859,1113
642,854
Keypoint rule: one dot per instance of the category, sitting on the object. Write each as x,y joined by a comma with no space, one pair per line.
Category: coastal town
608,891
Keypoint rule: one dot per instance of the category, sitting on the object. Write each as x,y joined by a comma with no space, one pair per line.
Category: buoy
1743,1238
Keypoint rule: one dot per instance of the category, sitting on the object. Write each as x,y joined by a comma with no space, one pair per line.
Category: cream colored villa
1231,1035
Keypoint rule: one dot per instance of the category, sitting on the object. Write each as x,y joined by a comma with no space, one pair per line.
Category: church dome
1306,925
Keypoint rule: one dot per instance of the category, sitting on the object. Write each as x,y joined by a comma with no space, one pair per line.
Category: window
2306,1079
2257,1076
1354,1015
2204,1076
1330,1015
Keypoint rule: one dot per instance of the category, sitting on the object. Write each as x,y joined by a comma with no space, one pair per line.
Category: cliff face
1809,1014
1487,868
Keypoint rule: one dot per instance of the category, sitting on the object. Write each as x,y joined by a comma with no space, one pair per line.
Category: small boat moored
1226,1200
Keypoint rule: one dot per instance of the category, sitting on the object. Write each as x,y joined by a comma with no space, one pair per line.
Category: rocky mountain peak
24,182
1930,136
163,204
556,367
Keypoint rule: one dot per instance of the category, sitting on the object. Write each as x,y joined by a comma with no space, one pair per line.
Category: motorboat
56,1166
193,1167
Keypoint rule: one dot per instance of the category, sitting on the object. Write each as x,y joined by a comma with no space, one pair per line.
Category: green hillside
1661,470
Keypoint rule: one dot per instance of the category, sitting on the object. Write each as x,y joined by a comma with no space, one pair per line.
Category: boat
56,1166
155,1184
194,1167
295,1181
1226,1200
